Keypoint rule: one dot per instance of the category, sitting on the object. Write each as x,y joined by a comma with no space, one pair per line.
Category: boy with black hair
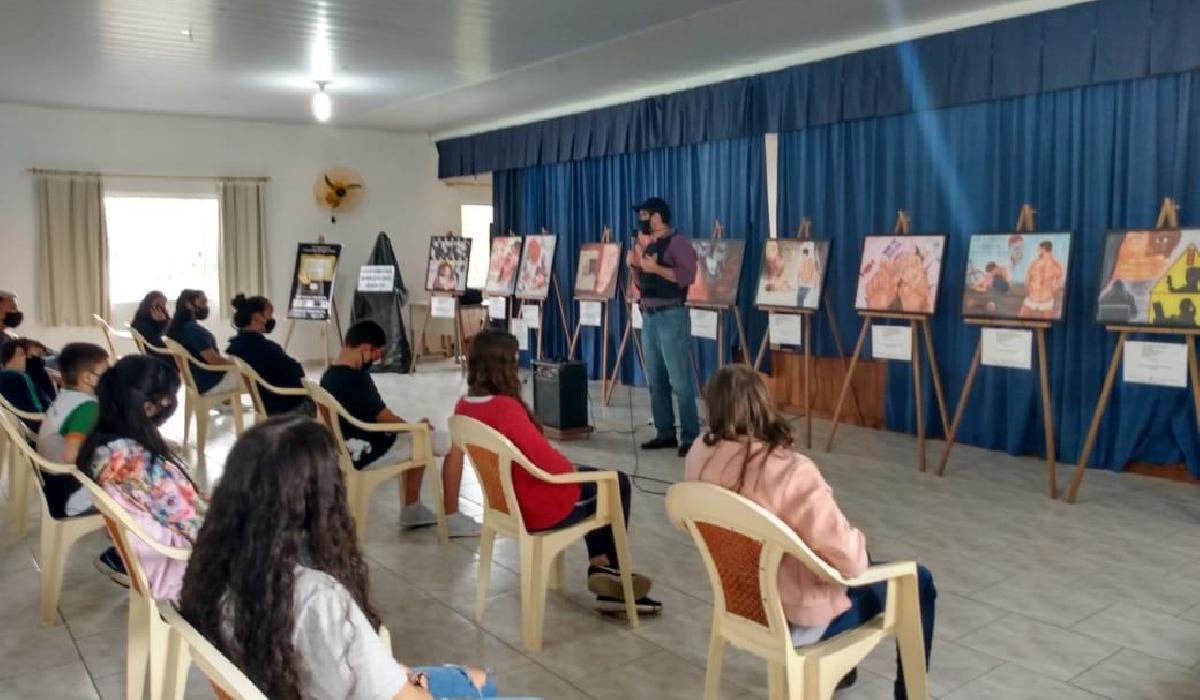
69,420
349,381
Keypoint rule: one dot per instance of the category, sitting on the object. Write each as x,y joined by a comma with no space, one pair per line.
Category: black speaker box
560,393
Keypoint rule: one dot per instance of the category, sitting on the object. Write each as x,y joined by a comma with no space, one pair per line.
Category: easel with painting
301,306
522,300
804,234
1026,223
919,325
593,296
438,300
718,234
1168,218
633,324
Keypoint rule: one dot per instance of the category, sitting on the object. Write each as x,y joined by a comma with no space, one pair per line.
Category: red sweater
543,505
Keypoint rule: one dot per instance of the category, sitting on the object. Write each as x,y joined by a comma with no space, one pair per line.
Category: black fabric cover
386,309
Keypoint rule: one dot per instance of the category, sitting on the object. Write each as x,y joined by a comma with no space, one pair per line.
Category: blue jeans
452,683
666,336
868,601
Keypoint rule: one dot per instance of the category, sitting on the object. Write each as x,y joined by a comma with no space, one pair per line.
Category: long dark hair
245,307
143,314
492,367
183,312
123,392
740,409
281,503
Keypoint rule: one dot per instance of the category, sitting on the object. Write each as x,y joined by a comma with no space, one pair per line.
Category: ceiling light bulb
322,106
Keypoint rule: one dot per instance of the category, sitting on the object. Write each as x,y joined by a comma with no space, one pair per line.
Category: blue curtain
705,182
1088,159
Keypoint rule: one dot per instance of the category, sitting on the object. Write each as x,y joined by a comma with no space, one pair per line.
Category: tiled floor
1038,599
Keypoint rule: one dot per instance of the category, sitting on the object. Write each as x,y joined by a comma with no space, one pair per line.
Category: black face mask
202,313
270,326
644,226
12,319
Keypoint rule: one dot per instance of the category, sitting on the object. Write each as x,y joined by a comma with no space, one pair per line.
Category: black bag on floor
386,309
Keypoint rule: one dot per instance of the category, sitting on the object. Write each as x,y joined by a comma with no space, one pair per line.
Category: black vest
653,286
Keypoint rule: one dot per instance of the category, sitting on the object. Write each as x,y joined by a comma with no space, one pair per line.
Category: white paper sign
704,323
441,307
1007,347
376,278
785,329
1159,364
637,317
891,343
518,328
497,308
529,314
590,313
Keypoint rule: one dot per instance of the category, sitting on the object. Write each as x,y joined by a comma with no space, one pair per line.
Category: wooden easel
1025,223
630,331
916,321
718,233
459,328
1168,217
605,237
332,317
541,304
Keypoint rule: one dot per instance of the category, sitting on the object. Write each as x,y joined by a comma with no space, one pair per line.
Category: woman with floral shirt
128,458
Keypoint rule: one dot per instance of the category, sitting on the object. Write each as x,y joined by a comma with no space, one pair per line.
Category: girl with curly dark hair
277,581
494,398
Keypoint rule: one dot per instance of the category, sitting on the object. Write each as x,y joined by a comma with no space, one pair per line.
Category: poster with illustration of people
449,257
900,273
1150,278
718,269
537,267
596,273
1019,275
502,266
792,273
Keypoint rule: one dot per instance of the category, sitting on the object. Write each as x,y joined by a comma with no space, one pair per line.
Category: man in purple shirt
663,269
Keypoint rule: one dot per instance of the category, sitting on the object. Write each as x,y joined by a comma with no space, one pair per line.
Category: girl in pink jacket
748,449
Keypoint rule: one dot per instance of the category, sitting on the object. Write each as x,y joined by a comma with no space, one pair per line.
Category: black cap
655,205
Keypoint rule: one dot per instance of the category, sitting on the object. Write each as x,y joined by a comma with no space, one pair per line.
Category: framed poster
597,272
792,273
449,257
1019,275
1150,278
502,266
900,273
718,269
537,266
312,281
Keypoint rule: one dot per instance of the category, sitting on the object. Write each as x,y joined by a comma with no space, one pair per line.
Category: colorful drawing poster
449,257
1150,278
597,272
1017,276
900,273
502,266
537,267
718,269
792,273
312,281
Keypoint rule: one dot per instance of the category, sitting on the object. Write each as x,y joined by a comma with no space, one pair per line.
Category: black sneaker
109,563
683,449
605,582
660,443
616,606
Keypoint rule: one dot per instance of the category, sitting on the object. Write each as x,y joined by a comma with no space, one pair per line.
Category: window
166,243
477,225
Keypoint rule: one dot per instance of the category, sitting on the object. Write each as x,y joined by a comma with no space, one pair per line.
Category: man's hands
650,265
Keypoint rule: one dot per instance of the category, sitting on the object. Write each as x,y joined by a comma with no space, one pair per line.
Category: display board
900,273
718,269
312,281
1017,275
1150,278
537,267
792,273
597,271
502,266
449,258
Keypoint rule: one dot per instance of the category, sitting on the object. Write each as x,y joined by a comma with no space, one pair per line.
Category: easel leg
1194,370
807,340
837,344
325,342
741,329
837,410
288,338
604,347
542,324
617,362
918,395
574,339
960,408
1101,404
720,341
762,350
1047,413
937,377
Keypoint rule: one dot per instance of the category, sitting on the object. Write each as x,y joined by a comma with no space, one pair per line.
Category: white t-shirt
341,655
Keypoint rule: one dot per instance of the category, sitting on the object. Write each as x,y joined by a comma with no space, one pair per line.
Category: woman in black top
254,317
151,318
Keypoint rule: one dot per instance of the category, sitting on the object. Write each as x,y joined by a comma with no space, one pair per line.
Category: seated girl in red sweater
494,398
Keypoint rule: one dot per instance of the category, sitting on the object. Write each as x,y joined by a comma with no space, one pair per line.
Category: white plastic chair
18,478
743,545
493,457
110,336
255,385
198,404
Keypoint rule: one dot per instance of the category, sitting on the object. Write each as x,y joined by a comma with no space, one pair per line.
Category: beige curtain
72,250
243,249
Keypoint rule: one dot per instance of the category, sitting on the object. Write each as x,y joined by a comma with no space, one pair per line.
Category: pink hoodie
790,486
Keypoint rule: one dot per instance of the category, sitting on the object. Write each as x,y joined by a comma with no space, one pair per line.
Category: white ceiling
438,66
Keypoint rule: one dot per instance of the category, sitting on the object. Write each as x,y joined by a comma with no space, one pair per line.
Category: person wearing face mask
127,456
151,318
41,365
190,308
254,318
16,386
663,272
348,380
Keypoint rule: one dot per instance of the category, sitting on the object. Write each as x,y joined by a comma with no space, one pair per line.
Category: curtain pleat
243,242
72,250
